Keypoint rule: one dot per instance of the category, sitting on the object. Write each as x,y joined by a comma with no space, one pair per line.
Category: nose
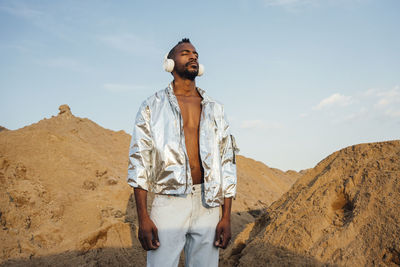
193,56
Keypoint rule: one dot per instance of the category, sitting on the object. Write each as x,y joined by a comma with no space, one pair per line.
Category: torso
190,107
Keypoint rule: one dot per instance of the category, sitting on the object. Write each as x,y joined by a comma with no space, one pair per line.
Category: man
182,150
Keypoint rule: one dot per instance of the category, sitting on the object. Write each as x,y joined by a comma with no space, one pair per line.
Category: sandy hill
343,212
3,128
258,186
64,198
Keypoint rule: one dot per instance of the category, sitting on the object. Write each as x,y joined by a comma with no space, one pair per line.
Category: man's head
185,56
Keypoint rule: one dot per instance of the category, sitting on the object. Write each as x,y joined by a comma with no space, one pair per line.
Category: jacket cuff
138,183
230,191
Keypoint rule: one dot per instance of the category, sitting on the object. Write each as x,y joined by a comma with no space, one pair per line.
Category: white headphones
169,64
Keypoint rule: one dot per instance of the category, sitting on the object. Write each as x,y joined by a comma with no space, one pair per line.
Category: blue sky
299,79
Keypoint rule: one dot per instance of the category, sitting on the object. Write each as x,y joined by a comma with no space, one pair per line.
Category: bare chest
191,111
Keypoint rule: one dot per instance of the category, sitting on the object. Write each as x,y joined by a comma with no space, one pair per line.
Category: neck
184,87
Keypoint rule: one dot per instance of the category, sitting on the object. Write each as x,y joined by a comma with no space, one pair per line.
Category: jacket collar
174,101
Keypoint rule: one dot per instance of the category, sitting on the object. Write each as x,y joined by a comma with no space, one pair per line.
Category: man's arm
139,172
148,233
228,147
223,230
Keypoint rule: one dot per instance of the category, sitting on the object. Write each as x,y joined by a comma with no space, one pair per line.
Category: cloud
334,100
388,98
387,102
362,113
285,2
370,92
129,43
296,5
303,115
21,10
259,124
65,63
292,5
25,46
374,103
393,113
43,20
120,88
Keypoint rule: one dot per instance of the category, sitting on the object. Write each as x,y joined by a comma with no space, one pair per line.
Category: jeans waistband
197,188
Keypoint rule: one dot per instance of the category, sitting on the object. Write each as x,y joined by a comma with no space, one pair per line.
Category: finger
155,237
149,242
143,243
225,240
217,240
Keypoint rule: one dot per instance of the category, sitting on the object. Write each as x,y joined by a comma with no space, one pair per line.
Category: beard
188,74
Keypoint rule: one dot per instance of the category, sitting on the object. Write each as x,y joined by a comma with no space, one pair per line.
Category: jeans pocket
161,200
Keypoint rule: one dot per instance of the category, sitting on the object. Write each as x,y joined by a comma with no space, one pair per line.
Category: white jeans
184,222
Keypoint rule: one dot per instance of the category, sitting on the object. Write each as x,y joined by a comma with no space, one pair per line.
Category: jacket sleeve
140,150
228,160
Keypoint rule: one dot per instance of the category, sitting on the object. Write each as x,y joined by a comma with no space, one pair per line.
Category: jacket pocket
235,149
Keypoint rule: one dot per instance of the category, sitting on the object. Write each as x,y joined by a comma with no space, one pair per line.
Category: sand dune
343,212
64,198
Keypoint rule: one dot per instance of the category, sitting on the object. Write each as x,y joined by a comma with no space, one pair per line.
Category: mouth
193,64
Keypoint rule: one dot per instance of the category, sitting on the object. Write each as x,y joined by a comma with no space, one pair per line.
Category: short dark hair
172,51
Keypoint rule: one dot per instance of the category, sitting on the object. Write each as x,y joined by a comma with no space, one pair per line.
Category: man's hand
223,230
148,234
223,233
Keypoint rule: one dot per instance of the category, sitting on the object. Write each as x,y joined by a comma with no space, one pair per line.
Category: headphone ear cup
201,70
168,64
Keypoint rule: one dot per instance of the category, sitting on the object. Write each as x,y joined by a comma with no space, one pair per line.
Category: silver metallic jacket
158,159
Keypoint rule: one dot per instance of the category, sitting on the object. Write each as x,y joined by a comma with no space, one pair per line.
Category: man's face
186,65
